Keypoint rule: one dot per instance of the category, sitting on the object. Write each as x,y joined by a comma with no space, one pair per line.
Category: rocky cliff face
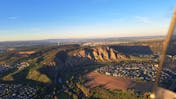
89,55
102,54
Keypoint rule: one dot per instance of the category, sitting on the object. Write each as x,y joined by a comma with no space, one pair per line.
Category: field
115,83
26,52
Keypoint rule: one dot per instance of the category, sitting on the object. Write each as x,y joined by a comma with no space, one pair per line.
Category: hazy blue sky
43,19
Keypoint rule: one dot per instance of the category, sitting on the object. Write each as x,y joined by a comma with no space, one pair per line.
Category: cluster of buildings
171,74
7,67
22,65
133,70
104,42
4,68
17,91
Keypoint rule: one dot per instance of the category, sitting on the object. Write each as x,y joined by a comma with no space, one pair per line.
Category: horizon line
81,38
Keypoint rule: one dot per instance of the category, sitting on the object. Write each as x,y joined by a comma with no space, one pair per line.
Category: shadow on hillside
73,65
68,66
20,78
171,47
133,50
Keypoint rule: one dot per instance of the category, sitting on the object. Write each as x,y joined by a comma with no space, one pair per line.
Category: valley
73,70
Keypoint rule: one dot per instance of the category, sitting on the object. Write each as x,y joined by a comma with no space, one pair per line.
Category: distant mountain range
75,41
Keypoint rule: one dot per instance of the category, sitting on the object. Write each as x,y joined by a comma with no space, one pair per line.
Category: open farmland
115,83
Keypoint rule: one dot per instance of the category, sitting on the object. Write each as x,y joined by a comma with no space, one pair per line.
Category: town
145,71
17,91
6,67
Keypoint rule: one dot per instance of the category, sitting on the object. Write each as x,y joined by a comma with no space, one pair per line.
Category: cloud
143,19
12,17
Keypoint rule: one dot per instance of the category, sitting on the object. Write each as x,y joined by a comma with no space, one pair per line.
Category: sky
61,19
